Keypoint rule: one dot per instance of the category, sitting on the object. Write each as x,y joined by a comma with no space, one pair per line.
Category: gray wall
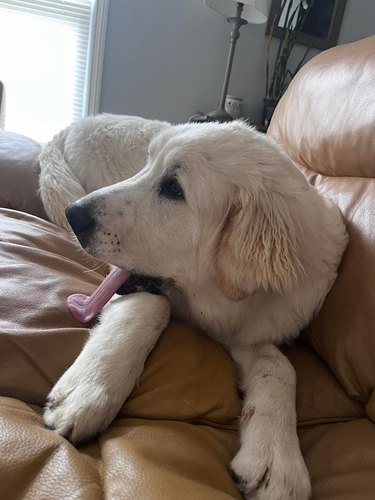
166,59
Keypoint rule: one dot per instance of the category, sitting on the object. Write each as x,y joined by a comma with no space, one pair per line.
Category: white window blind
45,66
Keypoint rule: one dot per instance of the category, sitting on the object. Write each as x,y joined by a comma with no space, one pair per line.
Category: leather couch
175,436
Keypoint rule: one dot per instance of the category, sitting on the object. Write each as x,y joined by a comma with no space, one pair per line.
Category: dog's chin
141,283
137,282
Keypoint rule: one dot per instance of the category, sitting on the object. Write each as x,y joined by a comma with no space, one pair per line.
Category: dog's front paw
79,407
263,473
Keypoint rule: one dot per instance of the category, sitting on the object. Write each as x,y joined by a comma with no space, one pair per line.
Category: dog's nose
80,217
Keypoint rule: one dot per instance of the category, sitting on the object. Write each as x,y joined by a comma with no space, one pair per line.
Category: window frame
94,73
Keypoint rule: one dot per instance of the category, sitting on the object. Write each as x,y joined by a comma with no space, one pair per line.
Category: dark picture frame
321,28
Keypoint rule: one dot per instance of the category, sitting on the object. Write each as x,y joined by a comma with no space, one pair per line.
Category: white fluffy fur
253,250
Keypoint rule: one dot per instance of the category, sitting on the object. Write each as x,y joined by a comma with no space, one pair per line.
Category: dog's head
214,201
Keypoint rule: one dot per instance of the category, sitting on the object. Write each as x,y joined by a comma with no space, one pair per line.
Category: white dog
250,250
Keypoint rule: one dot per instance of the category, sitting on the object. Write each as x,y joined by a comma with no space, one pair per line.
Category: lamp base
219,115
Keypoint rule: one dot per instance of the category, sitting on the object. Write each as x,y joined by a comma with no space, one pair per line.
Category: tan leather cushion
135,459
326,118
341,460
320,397
19,174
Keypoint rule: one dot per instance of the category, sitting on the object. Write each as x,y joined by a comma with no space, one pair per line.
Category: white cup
233,106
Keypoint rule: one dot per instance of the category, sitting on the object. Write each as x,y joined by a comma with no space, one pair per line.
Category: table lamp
238,14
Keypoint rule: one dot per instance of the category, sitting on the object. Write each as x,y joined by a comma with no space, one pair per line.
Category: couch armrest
19,173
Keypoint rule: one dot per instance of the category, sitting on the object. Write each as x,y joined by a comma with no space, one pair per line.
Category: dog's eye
170,188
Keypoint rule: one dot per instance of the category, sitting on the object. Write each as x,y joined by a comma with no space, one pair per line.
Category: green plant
282,75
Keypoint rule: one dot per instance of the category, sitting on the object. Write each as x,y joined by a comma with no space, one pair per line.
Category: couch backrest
19,174
326,119
326,123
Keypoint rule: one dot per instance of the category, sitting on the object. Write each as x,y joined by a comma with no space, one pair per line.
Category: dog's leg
269,464
90,393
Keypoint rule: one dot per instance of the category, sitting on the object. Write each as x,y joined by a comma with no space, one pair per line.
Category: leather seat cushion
341,459
135,458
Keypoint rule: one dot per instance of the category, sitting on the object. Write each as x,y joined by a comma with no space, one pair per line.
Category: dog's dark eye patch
171,189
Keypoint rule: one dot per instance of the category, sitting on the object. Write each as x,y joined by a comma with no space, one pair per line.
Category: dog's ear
258,247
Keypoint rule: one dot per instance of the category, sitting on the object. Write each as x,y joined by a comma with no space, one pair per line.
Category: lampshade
254,11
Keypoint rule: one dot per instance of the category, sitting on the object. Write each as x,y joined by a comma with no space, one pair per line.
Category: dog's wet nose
80,217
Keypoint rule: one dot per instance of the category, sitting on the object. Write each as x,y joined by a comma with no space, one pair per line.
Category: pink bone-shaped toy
85,308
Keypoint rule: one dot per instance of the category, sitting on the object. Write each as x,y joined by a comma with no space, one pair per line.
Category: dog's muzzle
81,217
